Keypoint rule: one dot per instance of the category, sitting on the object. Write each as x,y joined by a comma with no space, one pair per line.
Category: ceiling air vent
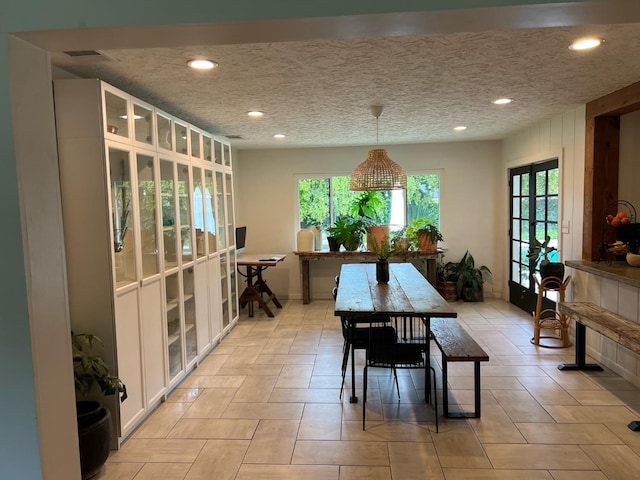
82,53
234,137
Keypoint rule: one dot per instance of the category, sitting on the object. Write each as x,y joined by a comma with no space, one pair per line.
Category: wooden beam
618,103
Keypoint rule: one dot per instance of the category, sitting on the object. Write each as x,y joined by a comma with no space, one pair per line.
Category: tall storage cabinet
141,194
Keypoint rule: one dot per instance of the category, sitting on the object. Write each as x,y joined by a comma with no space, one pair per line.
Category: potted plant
446,279
538,254
400,241
368,207
383,250
91,376
424,235
470,279
348,231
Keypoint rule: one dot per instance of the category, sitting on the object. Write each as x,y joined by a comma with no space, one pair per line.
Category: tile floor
265,405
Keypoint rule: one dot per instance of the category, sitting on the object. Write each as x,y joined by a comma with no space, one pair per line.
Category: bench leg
477,395
581,352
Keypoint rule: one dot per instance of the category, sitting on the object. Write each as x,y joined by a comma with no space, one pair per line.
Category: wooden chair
550,319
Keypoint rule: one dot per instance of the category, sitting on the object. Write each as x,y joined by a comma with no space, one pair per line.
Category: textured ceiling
318,93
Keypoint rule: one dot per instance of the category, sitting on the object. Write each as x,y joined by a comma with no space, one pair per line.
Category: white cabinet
141,191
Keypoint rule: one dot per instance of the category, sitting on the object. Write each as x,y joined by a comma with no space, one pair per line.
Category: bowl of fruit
620,218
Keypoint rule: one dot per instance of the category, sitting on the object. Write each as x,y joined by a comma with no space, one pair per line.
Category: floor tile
289,472
320,422
365,473
486,474
311,452
157,450
414,460
543,457
615,461
567,433
219,459
457,445
273,411
214,428
162,421
273,442
163,471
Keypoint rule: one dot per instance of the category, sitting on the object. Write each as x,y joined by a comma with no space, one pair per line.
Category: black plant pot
471,294
382,271
94,435
334,244
552,269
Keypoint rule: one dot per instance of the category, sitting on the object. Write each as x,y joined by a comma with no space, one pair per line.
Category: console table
428,259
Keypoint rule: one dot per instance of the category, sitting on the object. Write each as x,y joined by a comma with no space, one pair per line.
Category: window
322,200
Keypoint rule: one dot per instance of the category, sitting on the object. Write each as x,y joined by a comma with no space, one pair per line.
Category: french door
534,215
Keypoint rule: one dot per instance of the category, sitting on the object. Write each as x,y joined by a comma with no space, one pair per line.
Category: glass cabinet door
198,212
206,147
184,210
190,333
224,288
209,209
233,285
227,155
222,243
165,139
168,203
195,144
142,124
181,138
228,190
217,147
122,217
116,113
174,331
147,209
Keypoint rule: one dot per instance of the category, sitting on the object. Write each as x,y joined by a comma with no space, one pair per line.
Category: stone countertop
619,271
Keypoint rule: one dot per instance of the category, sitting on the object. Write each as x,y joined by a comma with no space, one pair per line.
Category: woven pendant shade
378,172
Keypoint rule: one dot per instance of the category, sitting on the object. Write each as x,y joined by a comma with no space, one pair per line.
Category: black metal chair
409,350
355,332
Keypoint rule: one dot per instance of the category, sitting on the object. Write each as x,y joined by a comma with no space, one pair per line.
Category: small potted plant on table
383,250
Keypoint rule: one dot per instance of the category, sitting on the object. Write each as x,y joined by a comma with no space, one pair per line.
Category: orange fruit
624,220
621,215
616,222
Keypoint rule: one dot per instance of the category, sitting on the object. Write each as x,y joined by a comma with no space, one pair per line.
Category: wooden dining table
407,294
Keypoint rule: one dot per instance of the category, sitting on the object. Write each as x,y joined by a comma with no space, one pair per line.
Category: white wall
472,204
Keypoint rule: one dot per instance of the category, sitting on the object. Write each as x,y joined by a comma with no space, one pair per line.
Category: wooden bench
619,329
457,345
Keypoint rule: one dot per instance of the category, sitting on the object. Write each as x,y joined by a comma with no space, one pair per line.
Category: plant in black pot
92,375
383,250
470,279
538,254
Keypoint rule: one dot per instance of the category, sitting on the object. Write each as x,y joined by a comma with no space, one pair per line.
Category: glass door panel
168,202
198,212
165,139
184,209
121,217
116,115
233,285
190,334
224,288
147,209
217,152
142,124
227,155
195,144
206,147
222,243
228,190
181,138
174,330
209,209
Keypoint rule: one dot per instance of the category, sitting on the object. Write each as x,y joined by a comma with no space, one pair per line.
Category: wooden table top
407,293
259,259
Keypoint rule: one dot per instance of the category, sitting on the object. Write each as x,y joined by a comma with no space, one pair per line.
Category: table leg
262,287
430,268
354,398
252,294
581,352
304,268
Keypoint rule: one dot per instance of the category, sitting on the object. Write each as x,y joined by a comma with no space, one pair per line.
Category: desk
429,260
407,294
255,290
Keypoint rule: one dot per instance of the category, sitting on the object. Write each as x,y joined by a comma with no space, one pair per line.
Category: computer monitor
241,237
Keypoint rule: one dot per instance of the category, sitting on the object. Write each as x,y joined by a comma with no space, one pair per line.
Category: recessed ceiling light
202,64
586,43
460,128
279,136
135,116
502,101
255,113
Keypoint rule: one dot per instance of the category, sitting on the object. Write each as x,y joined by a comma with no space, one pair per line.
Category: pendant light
378,171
